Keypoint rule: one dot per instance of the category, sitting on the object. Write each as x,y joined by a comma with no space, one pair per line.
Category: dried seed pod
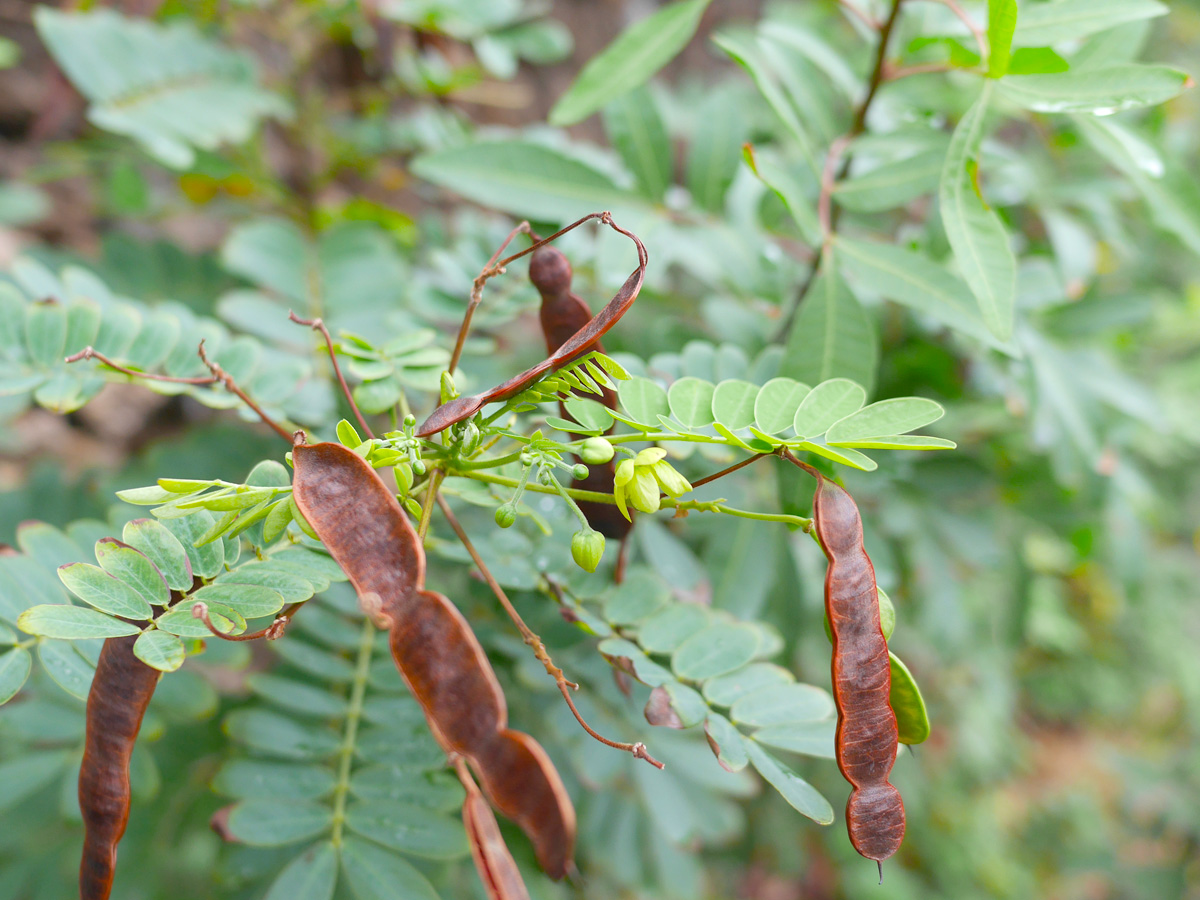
866,730
121,691
362,525
579,342
497,870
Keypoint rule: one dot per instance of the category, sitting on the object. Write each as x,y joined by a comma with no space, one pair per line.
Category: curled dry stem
489,271
271,632
535,643
91,353
318,325
715,475
227,382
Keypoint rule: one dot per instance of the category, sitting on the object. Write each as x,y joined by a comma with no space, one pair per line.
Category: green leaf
180,621
410,829
827,403
776,404
715,650
691,402
919,283
1066,20
276,521
159,650
147,496
776,704
665,631
635,128
70,671
795,790
715,151
27,775
14,669
897,442
184,93
629,658
297,696
96,587
643,400
1036,61
251,600
591,414
727,689
72,623
275,822
207,560
46,332
134,570
1101,91
637,53
247,779
377,874
885,417
887,616
893,183
523,179
796,191
1002,22
726,742
833,336
733,403
976,234
687,706
48,546
808,738
163,549
641,594
279,736
906,701
843,455
310,876
292,587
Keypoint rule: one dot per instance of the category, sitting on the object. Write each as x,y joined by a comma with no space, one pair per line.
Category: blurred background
1044,573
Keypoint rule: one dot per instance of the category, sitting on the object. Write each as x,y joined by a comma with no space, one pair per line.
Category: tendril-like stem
535,643
318,325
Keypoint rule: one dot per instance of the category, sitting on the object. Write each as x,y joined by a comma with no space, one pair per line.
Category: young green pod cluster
436,652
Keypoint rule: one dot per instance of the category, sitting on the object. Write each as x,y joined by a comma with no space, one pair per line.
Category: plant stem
362,669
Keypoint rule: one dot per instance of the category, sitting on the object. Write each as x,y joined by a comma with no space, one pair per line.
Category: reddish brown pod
362,525
563,314
866,730
121,690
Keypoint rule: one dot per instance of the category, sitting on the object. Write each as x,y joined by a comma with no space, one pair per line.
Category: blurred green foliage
1010,227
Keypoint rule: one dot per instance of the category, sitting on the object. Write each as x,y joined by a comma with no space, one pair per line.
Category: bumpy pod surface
121,691
362,525
866,730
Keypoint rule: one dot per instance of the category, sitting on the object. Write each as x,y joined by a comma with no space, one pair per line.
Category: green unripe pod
596,451
505,515
587,549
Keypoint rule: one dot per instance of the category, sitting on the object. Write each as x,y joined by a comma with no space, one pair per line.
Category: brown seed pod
497,870
121,691
362,525
595,328
564,314
866,730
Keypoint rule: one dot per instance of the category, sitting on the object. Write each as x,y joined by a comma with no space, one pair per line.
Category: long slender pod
866,730
563,314
121,691
497,870
362,525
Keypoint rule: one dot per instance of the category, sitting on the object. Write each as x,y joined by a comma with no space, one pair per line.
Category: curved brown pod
462,407
362,525
562,315
497,870
121,690
866,730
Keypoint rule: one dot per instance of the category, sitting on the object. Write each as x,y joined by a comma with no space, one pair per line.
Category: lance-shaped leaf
1101,91
833,336
72,623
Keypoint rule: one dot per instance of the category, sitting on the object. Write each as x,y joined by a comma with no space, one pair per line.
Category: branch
230,385
318,325
539,649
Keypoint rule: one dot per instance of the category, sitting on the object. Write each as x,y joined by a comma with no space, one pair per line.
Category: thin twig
829,177
90,353
857,126
230,385
977,31
715,475
535,643
895,73
318,325
271,632
860,14
488,271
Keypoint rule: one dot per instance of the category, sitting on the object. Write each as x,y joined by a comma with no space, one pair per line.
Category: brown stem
715,475
318,325
785,453
535,643
271,632
488,271
90,353
857,126
230,385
